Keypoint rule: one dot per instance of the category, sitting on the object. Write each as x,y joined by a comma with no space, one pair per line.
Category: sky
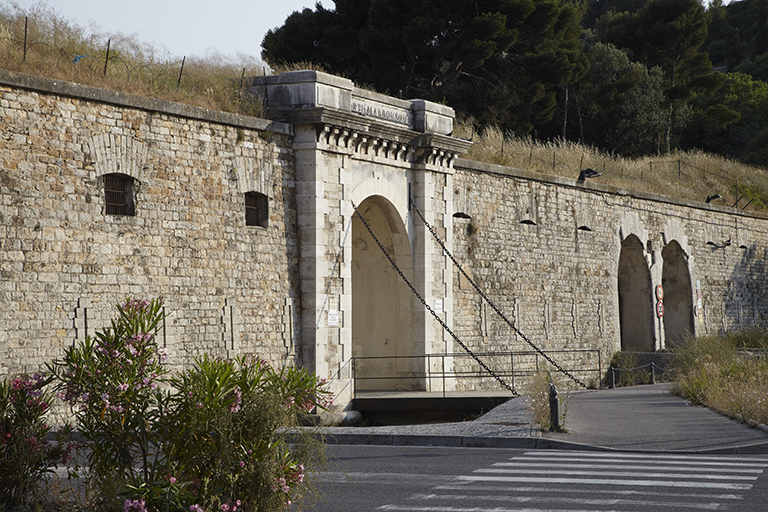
183,27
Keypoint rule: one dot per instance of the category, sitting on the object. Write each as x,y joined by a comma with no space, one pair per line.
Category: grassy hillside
692,175
58,48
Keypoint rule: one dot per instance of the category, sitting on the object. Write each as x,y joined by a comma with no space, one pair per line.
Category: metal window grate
118,194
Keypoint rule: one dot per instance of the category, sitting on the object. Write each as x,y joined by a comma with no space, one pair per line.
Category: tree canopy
499,61
624,75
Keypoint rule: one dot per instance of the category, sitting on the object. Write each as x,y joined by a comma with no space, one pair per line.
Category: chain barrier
431,311
493,306
655,369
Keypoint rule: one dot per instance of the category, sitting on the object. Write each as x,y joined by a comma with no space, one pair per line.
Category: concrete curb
525,443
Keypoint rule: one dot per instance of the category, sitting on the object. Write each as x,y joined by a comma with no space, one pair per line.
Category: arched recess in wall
635,298
382,305
678,295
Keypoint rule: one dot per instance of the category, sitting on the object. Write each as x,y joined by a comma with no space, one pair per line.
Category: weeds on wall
212,438
728,374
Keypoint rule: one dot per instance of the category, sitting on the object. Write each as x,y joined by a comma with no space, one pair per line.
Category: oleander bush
212,438
28,456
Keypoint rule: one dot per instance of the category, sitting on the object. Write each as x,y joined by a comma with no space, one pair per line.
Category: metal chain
493,306
440,320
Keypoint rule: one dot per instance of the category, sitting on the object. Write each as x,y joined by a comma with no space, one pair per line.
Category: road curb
525,443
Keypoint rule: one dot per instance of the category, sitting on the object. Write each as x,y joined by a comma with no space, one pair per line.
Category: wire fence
679,168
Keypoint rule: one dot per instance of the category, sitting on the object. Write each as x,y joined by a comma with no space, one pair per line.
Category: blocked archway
382,312
635,298
678,298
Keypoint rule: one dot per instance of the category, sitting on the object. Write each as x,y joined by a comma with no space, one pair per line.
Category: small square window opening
256,209
118,194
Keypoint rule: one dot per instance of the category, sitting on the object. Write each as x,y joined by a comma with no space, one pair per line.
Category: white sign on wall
438,306
333,318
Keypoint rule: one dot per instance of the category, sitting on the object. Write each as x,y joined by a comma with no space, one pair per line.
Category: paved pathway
651,418
635,418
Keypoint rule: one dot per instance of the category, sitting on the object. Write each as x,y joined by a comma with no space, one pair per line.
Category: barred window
256,209
118,194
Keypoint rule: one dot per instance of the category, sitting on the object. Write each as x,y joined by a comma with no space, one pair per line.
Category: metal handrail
443,374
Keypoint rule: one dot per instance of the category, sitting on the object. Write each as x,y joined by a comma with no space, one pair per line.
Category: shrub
719,372
27,456
537,398
211,438
627,372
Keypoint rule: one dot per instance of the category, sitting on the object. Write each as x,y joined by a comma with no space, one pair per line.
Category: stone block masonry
548,252
246,228
65,263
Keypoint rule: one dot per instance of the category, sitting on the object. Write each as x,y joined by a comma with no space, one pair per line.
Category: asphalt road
439,479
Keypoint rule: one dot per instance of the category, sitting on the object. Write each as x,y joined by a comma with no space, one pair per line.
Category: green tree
499,61
730,122
668,34
620,103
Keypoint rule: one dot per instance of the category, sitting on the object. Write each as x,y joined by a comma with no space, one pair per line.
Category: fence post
554,408
611,379
26,20
653,373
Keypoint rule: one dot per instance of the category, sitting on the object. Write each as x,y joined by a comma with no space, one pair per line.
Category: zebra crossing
568,481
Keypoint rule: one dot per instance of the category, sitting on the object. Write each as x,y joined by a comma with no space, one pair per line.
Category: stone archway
635,298
382,312
678,297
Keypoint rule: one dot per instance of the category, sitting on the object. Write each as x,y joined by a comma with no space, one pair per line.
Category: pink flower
172,479
225,508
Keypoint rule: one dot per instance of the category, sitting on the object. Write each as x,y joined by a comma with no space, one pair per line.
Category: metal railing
433,372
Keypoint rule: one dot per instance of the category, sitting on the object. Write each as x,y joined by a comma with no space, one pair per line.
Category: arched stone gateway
357,147
678,296
635,298
382,312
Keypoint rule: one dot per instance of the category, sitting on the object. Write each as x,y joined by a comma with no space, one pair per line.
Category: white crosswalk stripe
567,481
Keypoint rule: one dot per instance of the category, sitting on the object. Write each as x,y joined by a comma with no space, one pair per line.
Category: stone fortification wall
546,250
575,266
64,263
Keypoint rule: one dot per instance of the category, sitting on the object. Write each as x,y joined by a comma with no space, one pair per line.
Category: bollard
612,380
653,373
554,409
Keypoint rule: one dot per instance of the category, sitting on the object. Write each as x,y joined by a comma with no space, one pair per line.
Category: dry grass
728,374
689,175
58,48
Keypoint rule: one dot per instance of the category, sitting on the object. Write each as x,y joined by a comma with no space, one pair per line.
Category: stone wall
573,265
546,250
228,288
